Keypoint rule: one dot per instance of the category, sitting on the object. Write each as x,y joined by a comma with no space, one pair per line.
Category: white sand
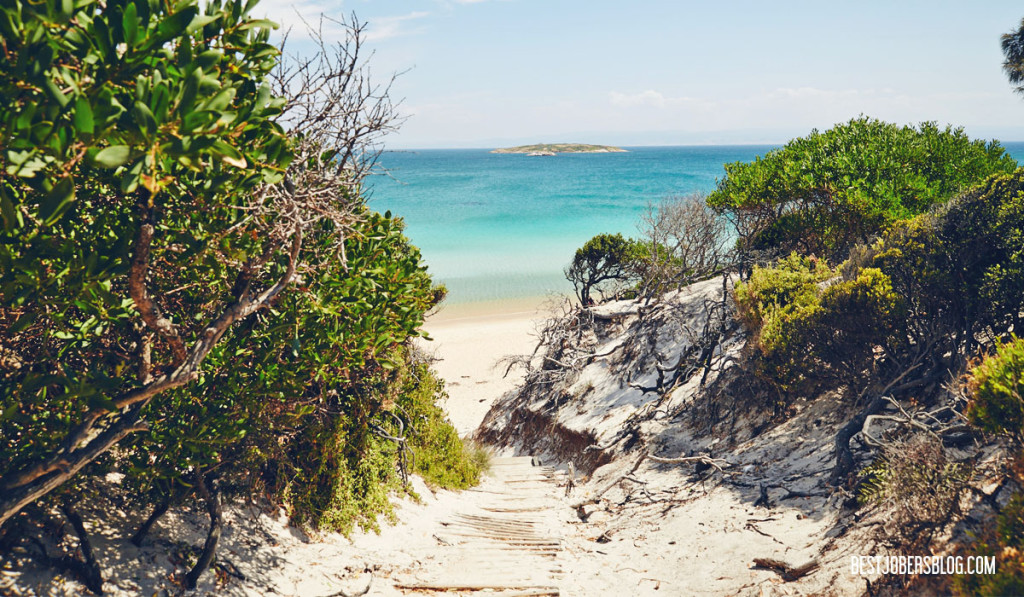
468,341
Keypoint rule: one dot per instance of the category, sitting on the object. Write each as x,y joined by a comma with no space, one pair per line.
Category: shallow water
503,226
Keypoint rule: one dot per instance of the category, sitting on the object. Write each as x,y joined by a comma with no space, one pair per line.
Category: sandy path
506,538
468,344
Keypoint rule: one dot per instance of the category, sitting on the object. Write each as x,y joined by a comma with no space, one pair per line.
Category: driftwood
787,572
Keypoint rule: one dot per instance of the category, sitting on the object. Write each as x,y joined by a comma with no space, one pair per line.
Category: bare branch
137,289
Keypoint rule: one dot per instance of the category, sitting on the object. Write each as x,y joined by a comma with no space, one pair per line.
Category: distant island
555,148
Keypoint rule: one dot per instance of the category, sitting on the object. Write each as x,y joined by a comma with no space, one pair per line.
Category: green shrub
997,391
827,191
960,266
440,456
288,406
120,117
805,317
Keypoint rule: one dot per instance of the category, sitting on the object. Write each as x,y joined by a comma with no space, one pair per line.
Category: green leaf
144,118
264,23
67,9
57,201
84,122
9,412
208,58
189,91
220,101
23,322
11,216
54,92
200,21
173,25
130,24
113,156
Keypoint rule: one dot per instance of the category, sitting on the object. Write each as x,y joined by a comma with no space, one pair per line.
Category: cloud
294,15
388,27
644,98
656,99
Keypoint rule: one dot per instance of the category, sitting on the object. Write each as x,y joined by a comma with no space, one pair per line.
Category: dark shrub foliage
604,264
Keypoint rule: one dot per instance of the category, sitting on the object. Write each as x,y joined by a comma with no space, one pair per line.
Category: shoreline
492,309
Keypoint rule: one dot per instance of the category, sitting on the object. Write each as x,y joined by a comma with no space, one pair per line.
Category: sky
489,73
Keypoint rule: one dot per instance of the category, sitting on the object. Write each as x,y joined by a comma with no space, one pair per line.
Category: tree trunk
89,569
212,498
158,511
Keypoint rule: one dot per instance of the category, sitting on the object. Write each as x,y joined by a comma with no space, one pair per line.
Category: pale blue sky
482,73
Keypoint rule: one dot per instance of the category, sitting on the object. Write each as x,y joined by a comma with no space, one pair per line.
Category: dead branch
788,572
715,463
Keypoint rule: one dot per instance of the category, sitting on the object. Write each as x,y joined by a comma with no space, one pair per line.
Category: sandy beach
469,340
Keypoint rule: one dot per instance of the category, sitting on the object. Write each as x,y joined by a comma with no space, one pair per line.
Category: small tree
152,203
603,263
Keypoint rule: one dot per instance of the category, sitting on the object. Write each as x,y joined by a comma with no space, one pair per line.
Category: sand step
506,544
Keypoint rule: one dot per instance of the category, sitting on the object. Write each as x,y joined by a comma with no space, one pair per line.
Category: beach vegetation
918,488
193,292
808,320
997,391
606,265
828,191
682,241
1004,541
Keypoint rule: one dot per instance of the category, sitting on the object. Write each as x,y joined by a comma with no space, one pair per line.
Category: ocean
495,227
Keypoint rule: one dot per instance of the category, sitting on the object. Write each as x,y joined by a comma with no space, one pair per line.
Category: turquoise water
503,226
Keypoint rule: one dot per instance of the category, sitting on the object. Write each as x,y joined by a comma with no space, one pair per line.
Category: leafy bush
440,456
135,137
961,267
825,192
289,407
682,241
997,391
804,317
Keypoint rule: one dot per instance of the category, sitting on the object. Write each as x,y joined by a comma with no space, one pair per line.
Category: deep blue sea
503,226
